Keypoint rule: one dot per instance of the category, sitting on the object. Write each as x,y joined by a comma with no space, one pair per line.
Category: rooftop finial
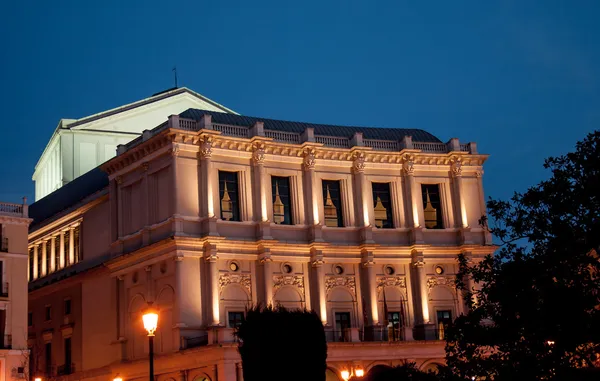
175,73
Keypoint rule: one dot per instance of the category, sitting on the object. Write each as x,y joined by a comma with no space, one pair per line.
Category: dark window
48,255
382,202
3,240
432,207
77,244
3,343
30,319
228,194
31,264
332,204
68,307
66,248
48,358
282,205
48,313
57,252
68,369
39,262
3,288
235,319
342,326
395,320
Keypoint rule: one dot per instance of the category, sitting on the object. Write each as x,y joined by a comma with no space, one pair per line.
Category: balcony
14,210
3,244
66,369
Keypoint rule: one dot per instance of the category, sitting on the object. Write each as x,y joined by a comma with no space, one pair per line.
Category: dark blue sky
521,80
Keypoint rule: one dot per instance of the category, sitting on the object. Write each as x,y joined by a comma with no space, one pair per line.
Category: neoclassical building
211,212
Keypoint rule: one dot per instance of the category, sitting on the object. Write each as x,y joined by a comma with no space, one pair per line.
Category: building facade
80,145
14,357
210,212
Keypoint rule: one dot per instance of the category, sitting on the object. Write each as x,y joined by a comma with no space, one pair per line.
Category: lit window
332,204
383,205
432,207
282,206
228,194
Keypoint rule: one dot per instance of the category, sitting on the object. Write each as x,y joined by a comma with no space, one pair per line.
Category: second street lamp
150,319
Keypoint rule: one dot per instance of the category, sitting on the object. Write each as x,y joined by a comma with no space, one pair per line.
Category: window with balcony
234,319
444,319
342,326
282,206
394,328
382,203
67,368
332,204
432,206
228,195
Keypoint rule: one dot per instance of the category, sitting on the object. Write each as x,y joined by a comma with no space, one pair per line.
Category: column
122,315
268,279
213,277
187,310
456,167
114,212
319,272
52,254
71,245
360,185
62,250
411,195
311,187
145,202
44,255
175,177
239,372
35,262
29,259
371,283
420,289
206,182
258,162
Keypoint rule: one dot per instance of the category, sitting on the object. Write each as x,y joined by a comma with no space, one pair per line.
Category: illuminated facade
209,213
14,358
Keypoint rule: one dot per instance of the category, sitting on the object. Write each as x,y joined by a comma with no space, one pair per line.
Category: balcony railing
383,334
63,370
4,244
340,336
4,290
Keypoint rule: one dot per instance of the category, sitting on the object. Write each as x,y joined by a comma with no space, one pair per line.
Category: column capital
309,159
205,147
258,153
212,258
358,162
408,164
175,150
265,259
148,268
456,166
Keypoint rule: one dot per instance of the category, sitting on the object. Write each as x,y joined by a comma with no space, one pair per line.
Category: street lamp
117,379
345,375
150,319
37,379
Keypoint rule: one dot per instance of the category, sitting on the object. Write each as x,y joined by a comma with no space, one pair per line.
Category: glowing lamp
117,379
360,372
150,319
345,375
37,379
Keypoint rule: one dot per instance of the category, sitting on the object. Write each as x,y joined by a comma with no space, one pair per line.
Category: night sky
521,80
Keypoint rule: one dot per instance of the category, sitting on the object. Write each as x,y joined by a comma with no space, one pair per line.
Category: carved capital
175,150
205,147
456,166
264,260
408,164
145,166
211,258
309,159
418,263
318,262
119,180
478,174
258,153
358,162
369,262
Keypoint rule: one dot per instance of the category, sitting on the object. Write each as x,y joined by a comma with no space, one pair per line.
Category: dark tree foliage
281,344
535,309
400,373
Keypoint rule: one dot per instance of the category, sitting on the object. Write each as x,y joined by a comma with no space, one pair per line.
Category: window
235,319
282,206
48,255
66,248
3,287
432,207
77,243
382,202
39,261
444,319
68,366
57,252
48,313
30,319
3,343
332,204
342,326
31,263
3,240
394,322
228,194
48,358
67,307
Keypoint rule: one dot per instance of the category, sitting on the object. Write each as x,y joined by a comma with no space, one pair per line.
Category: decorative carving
418,263
119,180
433,281
211,257
340,281
175,150
358,163
145,166
206,147
243,280
258,153
408,164
391,281
478,174
456,166
288,280
309,159
318,262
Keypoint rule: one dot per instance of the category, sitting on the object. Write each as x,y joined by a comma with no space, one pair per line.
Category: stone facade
204,219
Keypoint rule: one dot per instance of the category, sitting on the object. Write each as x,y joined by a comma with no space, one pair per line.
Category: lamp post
150,319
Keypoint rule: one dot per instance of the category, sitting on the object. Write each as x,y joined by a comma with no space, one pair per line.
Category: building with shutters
210,212
14,357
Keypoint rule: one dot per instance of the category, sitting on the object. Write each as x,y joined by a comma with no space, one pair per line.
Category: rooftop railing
14,210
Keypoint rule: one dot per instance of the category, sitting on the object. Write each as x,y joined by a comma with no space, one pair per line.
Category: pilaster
320,304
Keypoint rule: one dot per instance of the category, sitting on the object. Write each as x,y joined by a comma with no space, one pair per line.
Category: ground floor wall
14,364
222,362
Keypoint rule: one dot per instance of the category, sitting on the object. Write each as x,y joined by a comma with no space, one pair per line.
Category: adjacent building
14,356
211,212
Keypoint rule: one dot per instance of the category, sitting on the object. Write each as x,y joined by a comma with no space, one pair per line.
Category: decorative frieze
433,281
340,281
243,280
288,280
390,281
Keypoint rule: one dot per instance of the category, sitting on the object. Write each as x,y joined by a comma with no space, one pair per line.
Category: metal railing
4,244
340,336
429,333
382,334
63,370
197,341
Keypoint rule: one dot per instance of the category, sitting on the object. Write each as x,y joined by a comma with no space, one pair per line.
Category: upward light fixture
357,372
150,319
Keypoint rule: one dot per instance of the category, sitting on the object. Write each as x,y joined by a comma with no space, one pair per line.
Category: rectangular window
57,252
382,203
48,358
30,319
444,319
67,306
228,194
282,205
332,204
31,264
432,206
68,366
3,240
342,326
48,313
235,319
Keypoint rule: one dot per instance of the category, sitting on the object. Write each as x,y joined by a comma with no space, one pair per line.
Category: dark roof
67,196
395,134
